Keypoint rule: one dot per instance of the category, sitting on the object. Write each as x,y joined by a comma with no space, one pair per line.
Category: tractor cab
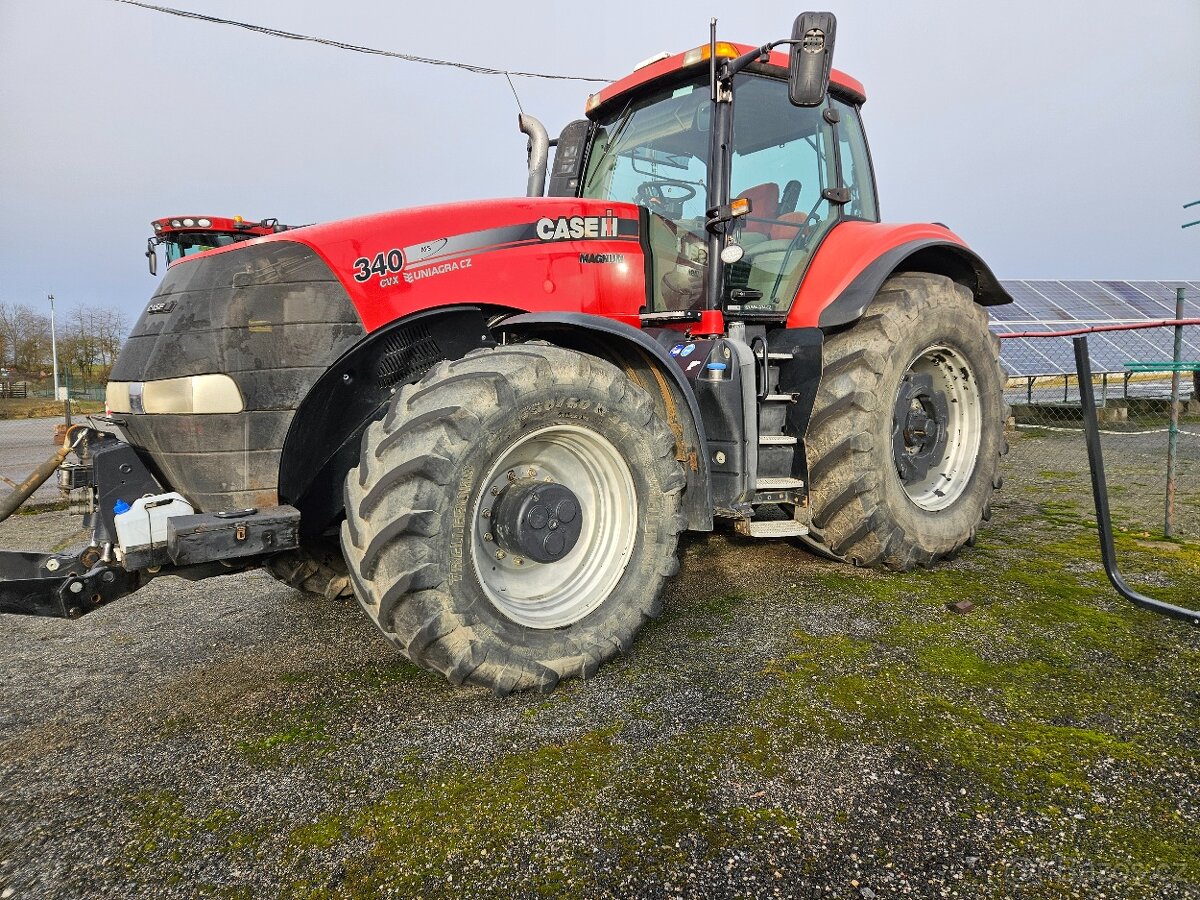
188,235
752,179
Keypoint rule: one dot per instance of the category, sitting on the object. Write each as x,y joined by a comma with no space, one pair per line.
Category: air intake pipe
539,154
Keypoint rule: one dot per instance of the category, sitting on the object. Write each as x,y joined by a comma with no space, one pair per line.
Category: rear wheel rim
558,594
952,406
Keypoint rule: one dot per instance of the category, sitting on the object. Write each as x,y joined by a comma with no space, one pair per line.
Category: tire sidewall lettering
570,408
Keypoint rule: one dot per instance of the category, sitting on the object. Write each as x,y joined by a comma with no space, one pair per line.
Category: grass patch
42,408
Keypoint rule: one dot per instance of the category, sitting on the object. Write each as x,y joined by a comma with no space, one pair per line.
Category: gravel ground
791,727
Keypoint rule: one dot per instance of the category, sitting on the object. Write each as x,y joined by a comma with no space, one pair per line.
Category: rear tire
429,513
908,427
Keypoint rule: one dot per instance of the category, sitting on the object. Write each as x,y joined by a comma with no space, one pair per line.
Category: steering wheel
660,196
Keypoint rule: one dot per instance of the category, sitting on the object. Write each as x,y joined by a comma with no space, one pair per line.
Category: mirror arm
734,66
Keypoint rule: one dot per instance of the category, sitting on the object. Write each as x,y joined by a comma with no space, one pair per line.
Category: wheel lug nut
500,554
487,536
532,472
487,513
495,492
512,475
519,561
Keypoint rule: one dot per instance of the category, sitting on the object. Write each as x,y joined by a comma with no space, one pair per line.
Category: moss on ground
1052,696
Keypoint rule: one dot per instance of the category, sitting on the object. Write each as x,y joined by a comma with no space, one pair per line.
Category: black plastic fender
648,364
323,440
926,255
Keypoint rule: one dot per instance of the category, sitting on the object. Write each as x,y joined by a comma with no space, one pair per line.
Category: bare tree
89,339
26,337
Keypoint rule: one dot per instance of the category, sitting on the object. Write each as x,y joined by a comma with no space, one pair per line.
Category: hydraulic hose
25,489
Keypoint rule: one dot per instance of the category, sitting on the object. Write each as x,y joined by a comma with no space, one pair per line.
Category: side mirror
568,159
152,256
811,58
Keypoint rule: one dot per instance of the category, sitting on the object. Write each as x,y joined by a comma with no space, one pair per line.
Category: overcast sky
1060,139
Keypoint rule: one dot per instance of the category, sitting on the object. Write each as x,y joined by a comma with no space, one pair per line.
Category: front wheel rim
557,594
937,427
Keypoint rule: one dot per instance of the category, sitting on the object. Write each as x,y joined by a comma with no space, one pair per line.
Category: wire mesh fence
1139,419
25,443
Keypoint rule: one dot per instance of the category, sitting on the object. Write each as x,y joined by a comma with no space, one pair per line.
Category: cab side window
856,164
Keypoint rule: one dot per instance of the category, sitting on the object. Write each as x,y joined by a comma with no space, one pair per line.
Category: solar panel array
1064,305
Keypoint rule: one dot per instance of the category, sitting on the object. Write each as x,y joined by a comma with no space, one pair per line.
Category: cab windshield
654,153
184,244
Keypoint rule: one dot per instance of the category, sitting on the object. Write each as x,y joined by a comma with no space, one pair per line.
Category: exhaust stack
539,153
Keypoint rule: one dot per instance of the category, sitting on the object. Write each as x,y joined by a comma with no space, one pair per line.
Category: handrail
1108,553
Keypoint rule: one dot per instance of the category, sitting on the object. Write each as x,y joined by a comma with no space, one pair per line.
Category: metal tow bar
1108,553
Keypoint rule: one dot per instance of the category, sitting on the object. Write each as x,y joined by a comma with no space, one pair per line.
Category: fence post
1173,428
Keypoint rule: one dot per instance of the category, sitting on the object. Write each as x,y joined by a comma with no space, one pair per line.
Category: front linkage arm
53,584
59,584
68,585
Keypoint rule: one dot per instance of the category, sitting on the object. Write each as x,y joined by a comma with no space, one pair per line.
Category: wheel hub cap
536,520
918,427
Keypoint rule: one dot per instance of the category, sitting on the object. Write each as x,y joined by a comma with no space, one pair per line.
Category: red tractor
186,235
491,421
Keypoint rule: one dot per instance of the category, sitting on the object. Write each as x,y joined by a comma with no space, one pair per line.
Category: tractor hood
233,339
527,253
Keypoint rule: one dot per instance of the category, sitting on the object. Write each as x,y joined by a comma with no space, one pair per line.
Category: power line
329,42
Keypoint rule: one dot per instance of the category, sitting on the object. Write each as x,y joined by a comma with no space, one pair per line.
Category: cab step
779,398
775,440
783,483
771,529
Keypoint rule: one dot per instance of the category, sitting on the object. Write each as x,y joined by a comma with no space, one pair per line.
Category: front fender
856,258
323,441
647,363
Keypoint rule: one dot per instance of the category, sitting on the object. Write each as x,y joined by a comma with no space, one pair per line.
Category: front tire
908,427
514,517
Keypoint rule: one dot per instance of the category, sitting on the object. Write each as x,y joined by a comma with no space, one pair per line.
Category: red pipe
1130,326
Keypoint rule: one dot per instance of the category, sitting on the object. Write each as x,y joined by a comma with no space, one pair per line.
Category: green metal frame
1163,366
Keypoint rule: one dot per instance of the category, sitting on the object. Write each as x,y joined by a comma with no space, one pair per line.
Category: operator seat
764,204
768,257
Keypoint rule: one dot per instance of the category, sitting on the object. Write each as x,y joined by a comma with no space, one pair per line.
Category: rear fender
856,258
648,364
323,441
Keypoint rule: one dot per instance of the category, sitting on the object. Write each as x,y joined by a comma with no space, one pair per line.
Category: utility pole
53,346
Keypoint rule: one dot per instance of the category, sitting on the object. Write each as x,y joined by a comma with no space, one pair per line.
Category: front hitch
59,585
120,559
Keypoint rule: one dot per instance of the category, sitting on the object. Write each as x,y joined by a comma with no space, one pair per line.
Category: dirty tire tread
399,504
855,513
319,570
